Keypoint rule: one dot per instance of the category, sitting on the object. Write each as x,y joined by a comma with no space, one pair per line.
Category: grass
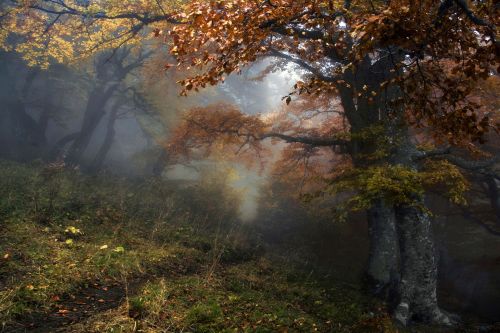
103,254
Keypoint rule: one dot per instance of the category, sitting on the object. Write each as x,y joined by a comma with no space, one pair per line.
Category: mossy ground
102,254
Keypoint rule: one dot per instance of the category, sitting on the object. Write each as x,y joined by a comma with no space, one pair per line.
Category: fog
102,120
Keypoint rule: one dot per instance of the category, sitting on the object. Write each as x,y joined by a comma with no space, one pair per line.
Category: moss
204,313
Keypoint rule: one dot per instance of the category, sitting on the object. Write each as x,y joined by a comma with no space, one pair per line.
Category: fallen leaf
119,249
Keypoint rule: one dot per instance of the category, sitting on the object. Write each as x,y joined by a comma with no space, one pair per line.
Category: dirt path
98,296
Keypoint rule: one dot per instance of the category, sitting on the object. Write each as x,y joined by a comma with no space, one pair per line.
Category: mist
102,128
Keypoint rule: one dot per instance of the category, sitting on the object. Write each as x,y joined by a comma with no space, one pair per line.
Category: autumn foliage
388,96
437,56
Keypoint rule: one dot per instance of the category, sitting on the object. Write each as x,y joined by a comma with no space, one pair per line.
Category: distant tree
110,74
29,106
108,33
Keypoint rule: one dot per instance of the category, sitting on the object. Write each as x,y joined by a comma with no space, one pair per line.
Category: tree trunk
8,142
160,163
417,287
108,140
94,112
55,152
383,267
110,72
494,195
402,232
104,149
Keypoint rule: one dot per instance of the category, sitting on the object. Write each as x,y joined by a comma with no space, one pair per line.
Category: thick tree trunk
417,287
29,137
383,267
402,246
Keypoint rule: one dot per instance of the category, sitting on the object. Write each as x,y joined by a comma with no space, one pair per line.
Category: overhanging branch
313,70
481,166
313,141
472,165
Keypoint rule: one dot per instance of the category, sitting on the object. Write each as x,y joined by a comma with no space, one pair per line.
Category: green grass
173,268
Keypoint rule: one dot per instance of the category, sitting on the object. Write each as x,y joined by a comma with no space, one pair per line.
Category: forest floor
91,257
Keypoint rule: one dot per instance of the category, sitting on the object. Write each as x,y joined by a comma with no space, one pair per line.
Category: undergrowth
105,254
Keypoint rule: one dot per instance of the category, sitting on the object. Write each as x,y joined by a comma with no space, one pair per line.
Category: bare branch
462,4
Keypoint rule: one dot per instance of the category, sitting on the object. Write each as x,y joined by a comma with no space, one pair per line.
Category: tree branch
142,17
420,154
481,166
472,165
462,4
313,70
313,141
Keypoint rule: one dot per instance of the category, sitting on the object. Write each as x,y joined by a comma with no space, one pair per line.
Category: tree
68,31
397,69
29,106
395,66
110,74
109,33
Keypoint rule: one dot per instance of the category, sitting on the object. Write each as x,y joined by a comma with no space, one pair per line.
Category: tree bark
417,288
402,257
382,272
383,268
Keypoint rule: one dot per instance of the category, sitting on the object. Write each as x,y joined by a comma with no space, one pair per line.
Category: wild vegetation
94,254
388,107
